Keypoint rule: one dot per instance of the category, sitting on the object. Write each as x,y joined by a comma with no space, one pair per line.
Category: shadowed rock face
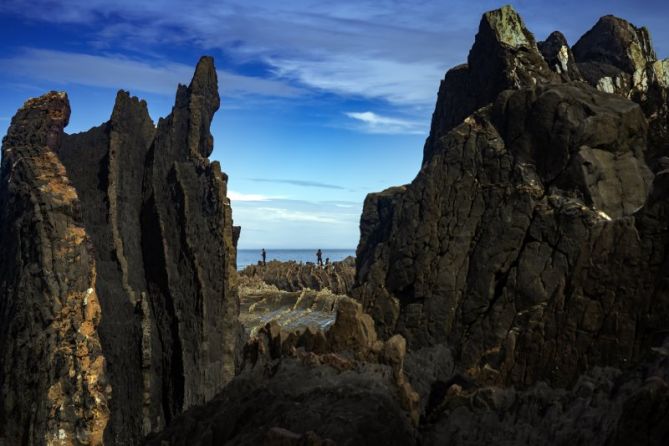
137,218
526,243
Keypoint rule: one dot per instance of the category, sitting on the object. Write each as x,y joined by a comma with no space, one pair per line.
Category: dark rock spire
135,217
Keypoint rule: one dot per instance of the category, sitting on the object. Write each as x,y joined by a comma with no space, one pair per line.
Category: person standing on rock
319,257
263,253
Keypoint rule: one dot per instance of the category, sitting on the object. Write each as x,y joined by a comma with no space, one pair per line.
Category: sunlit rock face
119,272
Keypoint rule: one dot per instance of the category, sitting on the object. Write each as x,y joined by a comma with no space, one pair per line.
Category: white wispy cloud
392,80
373,123
240,196
396,50
381,50
115,71
272,213
300,183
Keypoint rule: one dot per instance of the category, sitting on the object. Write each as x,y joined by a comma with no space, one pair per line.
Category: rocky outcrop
605,406
121,277
338,277
527,243
617,57
559,57
345,387
505,55
53,377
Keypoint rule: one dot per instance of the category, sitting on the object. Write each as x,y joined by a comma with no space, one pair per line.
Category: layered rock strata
123,247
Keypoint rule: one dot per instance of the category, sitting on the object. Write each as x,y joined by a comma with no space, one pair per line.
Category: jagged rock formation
531,245
345,387
559,57
505,55
133,217
53,381
617,57
338,277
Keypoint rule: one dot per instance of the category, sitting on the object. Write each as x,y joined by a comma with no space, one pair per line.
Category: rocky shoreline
338,277
514,292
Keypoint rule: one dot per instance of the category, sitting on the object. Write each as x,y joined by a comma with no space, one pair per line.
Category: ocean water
247,257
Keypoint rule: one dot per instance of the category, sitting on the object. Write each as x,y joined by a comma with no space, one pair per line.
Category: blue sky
322,102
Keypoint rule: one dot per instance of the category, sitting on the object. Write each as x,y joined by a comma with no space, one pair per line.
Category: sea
246,257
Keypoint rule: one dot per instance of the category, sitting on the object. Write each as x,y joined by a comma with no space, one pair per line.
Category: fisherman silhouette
319,257
263,253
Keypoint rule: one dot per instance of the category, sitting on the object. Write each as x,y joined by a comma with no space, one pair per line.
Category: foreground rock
118,278
344,387
338,277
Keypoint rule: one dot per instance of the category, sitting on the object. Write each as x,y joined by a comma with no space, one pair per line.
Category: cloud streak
115,71
242,197
374,123
395,50
300,183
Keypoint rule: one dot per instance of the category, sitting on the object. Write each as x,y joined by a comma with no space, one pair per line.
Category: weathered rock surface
338,277
526,263
505,55
559,57
526,243
617,57
120,277
53,382
604,406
